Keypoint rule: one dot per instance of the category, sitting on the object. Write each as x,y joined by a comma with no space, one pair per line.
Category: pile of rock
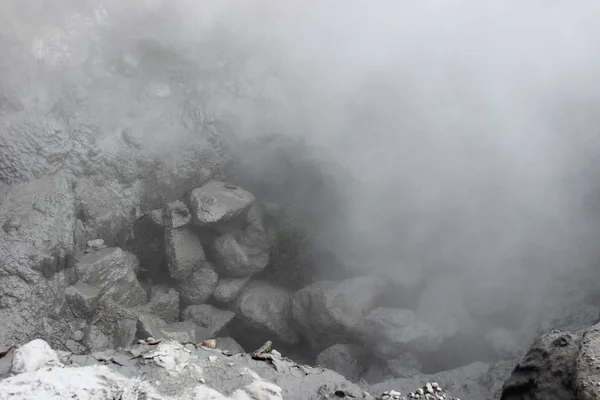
164,370
431,391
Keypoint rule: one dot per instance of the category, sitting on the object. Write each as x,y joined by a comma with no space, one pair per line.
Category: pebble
430,391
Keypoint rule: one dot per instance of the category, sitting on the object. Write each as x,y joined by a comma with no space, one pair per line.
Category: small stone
77,335
212,358
420,391
96,244
429,388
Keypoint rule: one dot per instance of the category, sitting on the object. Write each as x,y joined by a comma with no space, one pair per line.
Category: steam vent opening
404,193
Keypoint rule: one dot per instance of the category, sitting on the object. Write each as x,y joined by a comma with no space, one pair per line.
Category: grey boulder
217,202
36,247
245,252
211,319
393,332
164,303
184,252
348,360
82,299
266,307
176,215
330,312
113,272
199,286
229,288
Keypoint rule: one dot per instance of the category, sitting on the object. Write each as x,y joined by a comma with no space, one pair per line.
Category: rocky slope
163,370
560,365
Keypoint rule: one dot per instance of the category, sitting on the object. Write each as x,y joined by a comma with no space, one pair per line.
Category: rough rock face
229,288
477,381
34,147
169,370
553,368
82,299
332,312
177,215
36,245
266,307
105,210
199,286
559,365
113,272
164,303
246,251
218,202
393,332
346,359
208,317
184,252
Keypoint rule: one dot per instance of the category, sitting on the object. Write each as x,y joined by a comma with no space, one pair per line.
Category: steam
469,128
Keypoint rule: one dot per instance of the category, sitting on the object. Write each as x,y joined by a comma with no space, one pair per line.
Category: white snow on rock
40,375
33,356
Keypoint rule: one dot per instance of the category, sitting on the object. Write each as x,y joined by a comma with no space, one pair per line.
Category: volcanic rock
82,299
113,272
346,359
199,286
217,202
229,288
184,252
266,307
208,317
36,246
393,332
164,303
330,312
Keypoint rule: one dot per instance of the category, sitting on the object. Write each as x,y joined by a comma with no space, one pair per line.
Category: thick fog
467,130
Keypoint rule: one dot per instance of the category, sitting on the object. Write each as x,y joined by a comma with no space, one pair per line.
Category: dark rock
82,299
177,215
332,312
478,380
548,370
184,252
149,326
96,340
266,307
156,216
346,359
113,272
185,331
234,259
105,211
218,202
229,344
199,286
36,248
229,288
208,317
35,146
125,333
394,332
587,366
164,303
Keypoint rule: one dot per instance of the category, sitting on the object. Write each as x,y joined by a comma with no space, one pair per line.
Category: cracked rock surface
165,370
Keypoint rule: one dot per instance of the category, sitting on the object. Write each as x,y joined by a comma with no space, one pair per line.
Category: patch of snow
32,356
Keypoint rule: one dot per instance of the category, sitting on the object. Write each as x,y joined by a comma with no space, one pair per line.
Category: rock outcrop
165,370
